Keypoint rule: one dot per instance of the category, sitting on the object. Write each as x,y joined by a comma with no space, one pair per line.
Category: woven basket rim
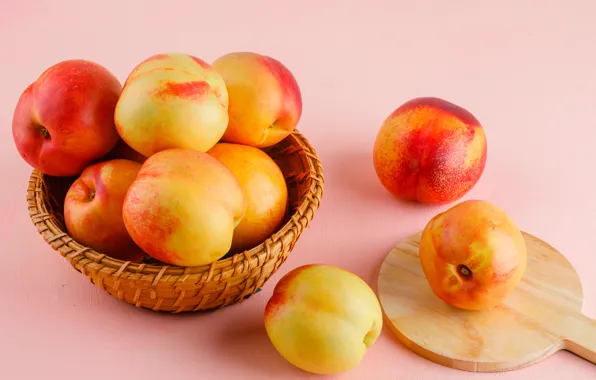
310,200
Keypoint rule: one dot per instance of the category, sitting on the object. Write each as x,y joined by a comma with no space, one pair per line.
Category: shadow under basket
181,289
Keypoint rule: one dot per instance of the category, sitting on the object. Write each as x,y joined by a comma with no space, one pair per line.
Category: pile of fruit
170,164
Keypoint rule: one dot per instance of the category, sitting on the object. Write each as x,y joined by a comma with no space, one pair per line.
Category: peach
183,206
430,150
473,255
64,120
264,188
322,319
265,103
93,209
172,100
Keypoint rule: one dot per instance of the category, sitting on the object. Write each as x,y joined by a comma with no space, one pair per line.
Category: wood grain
542,315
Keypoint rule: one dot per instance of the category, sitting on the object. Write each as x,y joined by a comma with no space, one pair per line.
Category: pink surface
525,69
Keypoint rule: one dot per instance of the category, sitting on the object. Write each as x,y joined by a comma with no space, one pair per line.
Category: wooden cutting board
542,315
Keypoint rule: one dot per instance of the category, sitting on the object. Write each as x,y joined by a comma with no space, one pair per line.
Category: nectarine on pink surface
430,150
93,209
322,318
65,119
265,190
473,255
265,102
183,206
172,100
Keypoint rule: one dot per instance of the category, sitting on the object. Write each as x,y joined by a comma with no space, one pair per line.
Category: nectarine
265,190
430,150
322,318
93,209
172,100
265,102
473,255
64,120
183,206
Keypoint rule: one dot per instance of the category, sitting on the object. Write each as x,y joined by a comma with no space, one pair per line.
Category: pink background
525,69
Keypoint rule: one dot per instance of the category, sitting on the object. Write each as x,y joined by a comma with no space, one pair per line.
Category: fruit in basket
322,318
172,100
473,255
430,150
265,100
264,188
93,208
64,120
183,206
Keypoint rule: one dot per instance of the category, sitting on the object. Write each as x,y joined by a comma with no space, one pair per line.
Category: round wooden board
541,316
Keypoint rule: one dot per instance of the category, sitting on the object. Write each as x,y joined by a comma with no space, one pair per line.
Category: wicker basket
181,289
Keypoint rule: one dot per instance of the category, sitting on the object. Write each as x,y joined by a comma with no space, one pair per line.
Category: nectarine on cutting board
473,255
541,316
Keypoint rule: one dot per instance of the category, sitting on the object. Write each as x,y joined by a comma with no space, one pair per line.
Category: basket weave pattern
182,289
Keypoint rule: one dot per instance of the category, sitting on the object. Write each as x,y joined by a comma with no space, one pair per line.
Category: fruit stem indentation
45,133
464,271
